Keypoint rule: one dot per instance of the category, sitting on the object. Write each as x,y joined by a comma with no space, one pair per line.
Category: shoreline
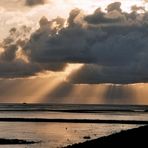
86,108
136,136
58,120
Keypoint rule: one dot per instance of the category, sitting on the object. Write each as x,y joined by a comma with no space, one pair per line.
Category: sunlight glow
63,74
49,81
21,55
1,50
90,5
39,90
43,89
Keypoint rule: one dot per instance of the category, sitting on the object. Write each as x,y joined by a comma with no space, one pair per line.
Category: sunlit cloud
21,55
21,14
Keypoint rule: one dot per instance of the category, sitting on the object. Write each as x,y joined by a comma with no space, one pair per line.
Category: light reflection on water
55,135
67,115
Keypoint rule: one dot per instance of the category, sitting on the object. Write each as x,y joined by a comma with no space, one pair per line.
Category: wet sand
74,123
137,136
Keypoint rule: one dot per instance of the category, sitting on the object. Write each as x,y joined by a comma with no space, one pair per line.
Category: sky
74,51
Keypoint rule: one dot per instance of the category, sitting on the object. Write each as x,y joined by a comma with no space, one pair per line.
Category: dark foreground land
15,141
137,136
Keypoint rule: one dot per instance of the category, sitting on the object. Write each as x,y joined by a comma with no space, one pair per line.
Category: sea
59,125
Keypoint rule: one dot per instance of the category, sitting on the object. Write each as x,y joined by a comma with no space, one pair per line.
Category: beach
58,126
137,136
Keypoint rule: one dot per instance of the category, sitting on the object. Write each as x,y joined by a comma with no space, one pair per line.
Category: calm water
55,135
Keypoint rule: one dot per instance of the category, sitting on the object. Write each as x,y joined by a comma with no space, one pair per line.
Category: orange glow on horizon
41,90
49,81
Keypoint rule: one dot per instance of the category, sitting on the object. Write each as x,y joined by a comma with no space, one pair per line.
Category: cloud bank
35,2
112,45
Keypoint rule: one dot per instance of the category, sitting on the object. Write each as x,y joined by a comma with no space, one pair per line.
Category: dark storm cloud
112,45
9,53
13,67
101,17
17,68
35,2
16,38
113,15
94,74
